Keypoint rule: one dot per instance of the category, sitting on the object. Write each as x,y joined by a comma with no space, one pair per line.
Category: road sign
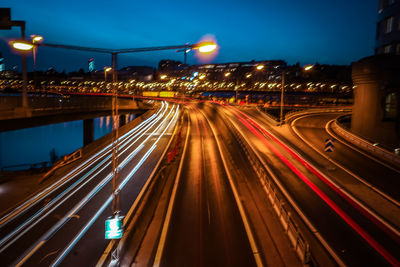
114,227
5,18
329,145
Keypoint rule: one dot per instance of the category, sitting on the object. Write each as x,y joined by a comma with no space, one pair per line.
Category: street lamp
260,67
308,67
106,69
22,46
35,39
282,94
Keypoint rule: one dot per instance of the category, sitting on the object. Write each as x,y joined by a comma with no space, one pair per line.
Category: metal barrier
365,144
292,230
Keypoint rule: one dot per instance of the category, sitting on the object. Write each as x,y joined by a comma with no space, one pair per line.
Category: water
20,149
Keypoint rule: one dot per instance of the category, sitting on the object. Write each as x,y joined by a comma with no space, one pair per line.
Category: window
398,24
386,49
389,25
378,30
391,106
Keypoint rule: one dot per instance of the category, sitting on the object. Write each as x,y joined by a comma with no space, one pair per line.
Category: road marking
249,232
164,232
287,196
395,202
30,254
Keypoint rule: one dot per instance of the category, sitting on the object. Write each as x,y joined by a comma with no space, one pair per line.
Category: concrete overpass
57,108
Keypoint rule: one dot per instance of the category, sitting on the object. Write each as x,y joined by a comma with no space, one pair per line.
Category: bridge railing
44,104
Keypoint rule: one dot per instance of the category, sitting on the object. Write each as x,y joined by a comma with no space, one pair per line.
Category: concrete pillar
122,120
88,131
375,77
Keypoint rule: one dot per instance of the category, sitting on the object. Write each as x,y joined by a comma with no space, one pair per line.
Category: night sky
306,31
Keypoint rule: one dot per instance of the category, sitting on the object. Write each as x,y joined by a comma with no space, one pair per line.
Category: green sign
114,227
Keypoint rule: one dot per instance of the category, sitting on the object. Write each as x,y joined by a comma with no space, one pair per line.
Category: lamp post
282,95
305,68
35,39
203,47
106,69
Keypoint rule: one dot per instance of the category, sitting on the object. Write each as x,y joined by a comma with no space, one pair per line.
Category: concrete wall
374,77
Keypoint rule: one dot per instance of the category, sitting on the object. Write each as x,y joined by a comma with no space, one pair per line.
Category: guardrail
297,239
40,105
289,116
365,144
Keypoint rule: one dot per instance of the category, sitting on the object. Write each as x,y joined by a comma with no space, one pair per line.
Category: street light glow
22,46
308,67
207,48
227,74
36,38
107,69
260,67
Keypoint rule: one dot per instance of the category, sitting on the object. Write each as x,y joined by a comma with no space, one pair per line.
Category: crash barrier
364,144
296,238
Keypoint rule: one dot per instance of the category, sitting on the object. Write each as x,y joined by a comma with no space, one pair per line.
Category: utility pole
282,95
115,137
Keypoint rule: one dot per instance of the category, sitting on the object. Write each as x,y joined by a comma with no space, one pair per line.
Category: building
232,71
388,28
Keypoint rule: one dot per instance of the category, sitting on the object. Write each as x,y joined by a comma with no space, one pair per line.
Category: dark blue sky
308,31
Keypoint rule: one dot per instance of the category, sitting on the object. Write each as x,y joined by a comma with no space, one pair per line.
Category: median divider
287,211
140,214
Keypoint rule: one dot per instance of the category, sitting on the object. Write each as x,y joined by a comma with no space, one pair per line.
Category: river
38,146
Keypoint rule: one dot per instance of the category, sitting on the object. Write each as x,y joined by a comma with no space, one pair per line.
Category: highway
64,224
356,235
205,227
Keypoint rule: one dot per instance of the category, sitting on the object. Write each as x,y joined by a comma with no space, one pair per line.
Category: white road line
167,220
121,186
249,232
395,202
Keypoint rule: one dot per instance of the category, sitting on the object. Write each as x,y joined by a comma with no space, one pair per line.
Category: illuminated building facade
388,28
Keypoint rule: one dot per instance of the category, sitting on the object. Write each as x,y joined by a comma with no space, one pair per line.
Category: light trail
66,251
367,237
50,208
377,220
44,193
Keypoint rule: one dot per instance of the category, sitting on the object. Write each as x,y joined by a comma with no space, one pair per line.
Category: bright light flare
207,49
308,67
107,69
260,67
22,46
36,38
227,74
162,77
